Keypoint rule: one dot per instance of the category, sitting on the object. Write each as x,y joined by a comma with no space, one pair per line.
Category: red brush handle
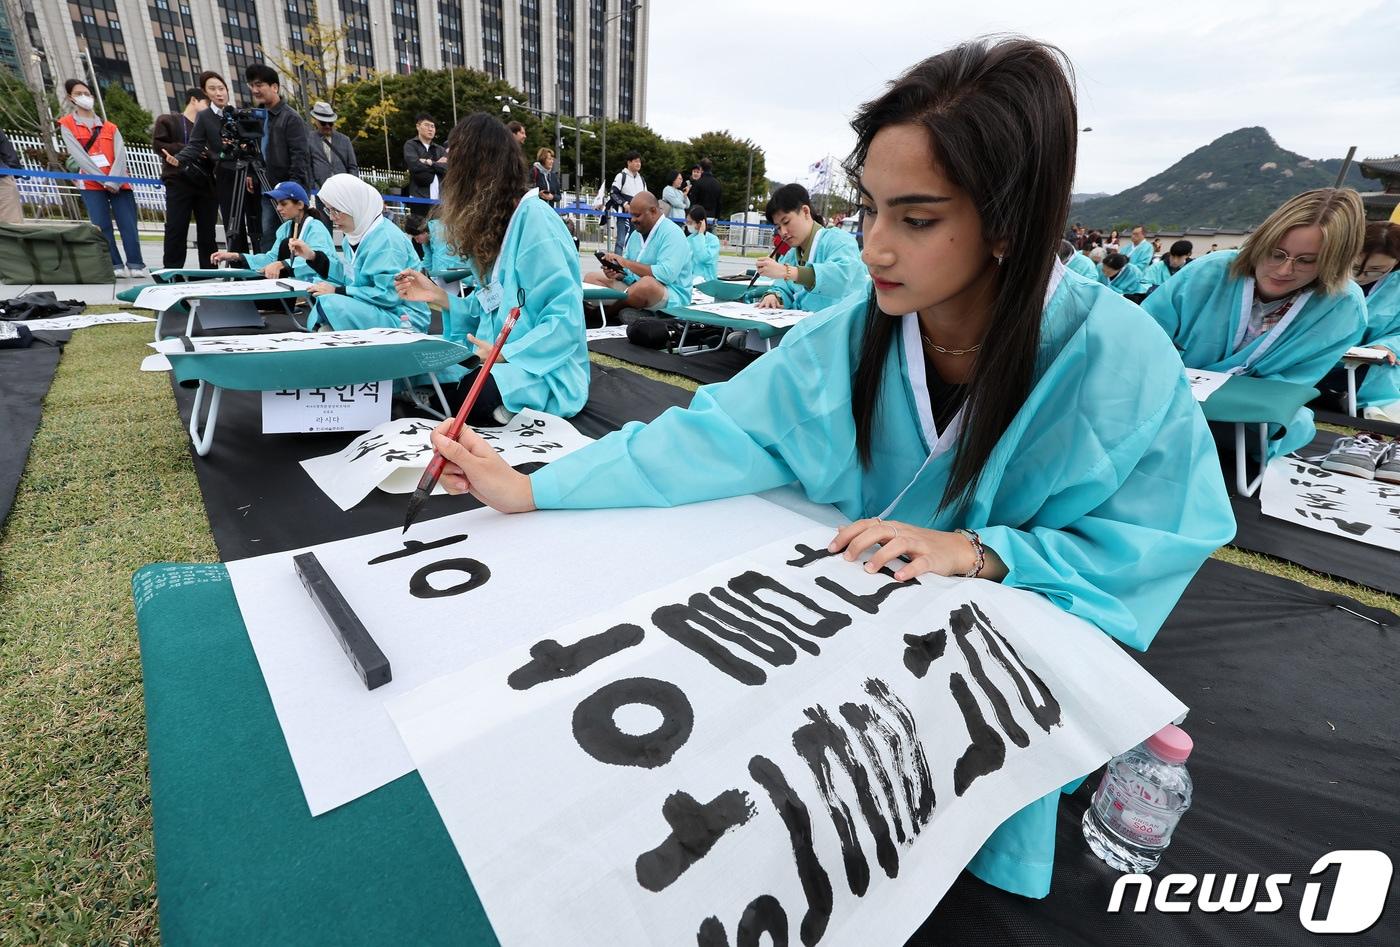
435,466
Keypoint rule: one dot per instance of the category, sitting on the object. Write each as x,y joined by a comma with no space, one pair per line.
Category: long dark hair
486,177
1001,122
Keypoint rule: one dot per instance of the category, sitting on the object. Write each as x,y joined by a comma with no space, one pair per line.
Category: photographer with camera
205,145
286,153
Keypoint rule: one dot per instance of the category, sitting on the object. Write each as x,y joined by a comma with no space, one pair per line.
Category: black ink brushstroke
695,828
749,584
478,574
734,603
986,751
922,802
870,604
413,547
1046,710
816,883
552,661
920,651
597,733
964,621
807,555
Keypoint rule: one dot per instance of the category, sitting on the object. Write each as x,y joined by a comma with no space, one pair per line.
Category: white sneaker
120,272
138,272
502,414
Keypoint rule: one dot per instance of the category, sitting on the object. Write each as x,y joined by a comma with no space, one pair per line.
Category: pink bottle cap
1170,743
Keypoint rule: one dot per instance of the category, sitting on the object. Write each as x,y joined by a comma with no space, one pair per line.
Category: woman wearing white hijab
359,292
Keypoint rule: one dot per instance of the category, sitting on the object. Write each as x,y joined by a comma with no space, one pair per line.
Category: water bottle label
1131,815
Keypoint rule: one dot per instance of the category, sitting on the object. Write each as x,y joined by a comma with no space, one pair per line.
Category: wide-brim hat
323,112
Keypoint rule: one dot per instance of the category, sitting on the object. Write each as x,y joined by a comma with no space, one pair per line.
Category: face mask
83,101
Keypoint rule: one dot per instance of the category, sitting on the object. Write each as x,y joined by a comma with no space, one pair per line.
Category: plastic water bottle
1143,795
405,323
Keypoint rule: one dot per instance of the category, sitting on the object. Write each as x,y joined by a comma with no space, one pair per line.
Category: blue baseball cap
288,190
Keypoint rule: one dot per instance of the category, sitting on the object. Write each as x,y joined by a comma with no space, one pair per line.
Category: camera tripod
244,169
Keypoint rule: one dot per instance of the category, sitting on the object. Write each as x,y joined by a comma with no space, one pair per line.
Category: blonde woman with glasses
1282,307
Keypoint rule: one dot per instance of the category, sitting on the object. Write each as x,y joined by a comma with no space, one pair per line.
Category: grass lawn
109,488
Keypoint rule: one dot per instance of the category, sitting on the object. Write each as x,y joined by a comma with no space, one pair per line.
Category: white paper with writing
162,296
607,332
63,323
285,342
358,407
394,455
1345,505
779,318
433,610
780,742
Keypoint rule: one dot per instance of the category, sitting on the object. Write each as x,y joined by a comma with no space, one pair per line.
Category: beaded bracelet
980,552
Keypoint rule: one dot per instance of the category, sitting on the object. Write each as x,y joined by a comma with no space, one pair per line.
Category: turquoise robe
668,255
1104,494
1203,309
1127,280
545,363
1081,264
1381,387
704,256
1157,274
438,257
1139,256
835,259
313,233
367,272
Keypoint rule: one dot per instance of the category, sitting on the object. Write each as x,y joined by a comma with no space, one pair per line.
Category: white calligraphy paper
779,318
1366,353
286,342
162,296
1205,383
607,332
63,323
781,744
394,455
456,590
1346,505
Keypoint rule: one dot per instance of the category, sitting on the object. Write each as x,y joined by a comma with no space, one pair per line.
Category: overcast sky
1156,80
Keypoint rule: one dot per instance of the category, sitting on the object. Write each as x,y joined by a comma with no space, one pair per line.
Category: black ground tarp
1321,552
25,376
706,367
1297,732
259,499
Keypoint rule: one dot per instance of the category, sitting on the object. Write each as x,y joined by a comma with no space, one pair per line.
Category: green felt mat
239,859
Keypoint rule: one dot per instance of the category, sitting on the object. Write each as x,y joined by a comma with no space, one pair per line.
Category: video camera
242,134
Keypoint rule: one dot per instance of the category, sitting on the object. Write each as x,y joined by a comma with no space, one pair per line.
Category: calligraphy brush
435,466
779,248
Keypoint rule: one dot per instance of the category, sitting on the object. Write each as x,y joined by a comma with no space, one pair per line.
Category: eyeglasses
1356,270
1301,263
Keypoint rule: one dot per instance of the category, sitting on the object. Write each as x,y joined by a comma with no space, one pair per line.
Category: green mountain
1232,183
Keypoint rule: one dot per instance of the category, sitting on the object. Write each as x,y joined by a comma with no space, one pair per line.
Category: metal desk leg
442,398
189,324
1351,389
202,442
1243,485
683,349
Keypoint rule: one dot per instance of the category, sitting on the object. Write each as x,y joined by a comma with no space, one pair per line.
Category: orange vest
104,145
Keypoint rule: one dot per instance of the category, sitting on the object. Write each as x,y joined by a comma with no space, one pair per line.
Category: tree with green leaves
730,157
135,122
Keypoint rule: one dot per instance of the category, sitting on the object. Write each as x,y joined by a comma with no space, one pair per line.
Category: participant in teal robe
1081,264
1140,255
1205,311
668,255
1127,280
1157,274
1381,386
1104,494
704,256
313,233
366,273
835,260
545,361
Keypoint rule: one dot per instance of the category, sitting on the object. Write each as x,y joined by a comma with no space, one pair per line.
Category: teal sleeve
841,270
461,318
772,424
256,261
1165,304
1118,545
317,237
378,261
672,264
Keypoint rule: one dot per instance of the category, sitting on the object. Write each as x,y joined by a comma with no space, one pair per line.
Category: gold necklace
942,351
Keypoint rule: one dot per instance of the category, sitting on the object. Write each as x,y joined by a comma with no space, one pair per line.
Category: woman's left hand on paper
927,550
